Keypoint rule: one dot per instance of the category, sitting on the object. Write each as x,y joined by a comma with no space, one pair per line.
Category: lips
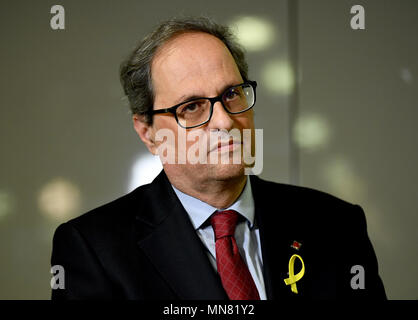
225,145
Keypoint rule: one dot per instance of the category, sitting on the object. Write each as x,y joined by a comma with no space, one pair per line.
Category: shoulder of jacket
301,193
112,214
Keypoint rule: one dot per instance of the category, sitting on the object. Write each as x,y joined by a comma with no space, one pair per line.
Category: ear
145,132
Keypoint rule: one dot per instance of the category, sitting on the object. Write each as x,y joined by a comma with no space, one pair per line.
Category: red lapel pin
296,245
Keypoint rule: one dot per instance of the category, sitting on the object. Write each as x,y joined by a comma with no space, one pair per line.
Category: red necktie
234,273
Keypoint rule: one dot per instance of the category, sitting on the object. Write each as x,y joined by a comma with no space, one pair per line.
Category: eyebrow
188,97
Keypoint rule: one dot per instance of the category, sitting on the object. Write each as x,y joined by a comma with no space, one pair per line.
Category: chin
204,172
224,172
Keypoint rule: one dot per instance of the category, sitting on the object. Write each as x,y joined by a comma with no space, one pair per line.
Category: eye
191,107
231,94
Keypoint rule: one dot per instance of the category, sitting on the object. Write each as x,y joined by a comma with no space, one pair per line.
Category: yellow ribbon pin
292,277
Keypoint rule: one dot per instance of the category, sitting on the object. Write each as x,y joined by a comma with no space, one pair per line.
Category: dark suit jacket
143,246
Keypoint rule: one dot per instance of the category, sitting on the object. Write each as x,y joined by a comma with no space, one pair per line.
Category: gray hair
135,71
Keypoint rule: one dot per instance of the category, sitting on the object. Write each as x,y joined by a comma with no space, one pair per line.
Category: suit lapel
172,245
272,219
283,219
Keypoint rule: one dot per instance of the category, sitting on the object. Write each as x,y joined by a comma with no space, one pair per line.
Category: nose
220,118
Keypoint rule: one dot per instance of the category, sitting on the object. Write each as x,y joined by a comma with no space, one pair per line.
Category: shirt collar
200,211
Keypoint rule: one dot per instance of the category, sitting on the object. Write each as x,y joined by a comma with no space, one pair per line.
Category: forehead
191,58
194,44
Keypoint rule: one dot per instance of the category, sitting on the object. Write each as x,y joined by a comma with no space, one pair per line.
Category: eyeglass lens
236,100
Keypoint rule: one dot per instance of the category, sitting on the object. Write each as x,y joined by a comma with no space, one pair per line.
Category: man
206,230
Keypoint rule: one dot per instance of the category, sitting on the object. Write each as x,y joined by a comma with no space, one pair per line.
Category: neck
218,193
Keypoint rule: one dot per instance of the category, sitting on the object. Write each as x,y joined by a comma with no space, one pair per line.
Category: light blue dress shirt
246,233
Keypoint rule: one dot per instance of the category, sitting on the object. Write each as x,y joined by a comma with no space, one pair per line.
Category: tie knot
224,223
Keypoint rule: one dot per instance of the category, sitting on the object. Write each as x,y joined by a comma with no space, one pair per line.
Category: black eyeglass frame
213,100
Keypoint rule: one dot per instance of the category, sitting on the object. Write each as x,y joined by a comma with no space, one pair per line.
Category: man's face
200,65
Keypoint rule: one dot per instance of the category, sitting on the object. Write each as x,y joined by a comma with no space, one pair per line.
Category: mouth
223,146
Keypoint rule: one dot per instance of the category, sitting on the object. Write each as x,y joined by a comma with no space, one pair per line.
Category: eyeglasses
198,111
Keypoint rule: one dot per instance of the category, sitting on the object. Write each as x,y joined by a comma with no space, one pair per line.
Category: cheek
197,140
165,131
165,121
245,120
